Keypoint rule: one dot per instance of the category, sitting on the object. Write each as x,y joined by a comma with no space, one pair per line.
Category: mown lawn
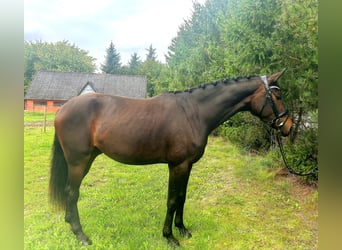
234,202
38,117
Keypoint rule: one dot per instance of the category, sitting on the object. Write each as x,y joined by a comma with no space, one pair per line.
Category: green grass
234,201
38,117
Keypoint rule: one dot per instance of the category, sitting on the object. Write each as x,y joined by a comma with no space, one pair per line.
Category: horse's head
268,105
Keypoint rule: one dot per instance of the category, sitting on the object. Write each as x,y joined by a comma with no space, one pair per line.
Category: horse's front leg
179,223
178,181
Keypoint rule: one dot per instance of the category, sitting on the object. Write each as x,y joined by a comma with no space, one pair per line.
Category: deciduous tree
59,56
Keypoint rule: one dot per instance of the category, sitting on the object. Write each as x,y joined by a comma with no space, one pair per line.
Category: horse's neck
218,103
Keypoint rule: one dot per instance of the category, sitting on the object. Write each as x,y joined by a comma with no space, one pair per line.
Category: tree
60,56
296,43
151,54
112,63
193,50
134,64
155,73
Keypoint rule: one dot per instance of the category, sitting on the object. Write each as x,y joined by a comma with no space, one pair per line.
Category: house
50,90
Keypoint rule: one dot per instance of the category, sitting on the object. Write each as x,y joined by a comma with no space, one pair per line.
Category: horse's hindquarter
136,131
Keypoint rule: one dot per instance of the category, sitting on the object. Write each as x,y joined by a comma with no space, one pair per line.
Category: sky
132,25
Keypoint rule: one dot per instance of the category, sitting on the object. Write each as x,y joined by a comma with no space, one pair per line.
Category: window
58,104
39,103
87,89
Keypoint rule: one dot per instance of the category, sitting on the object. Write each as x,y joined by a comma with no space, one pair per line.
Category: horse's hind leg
71,213
76,173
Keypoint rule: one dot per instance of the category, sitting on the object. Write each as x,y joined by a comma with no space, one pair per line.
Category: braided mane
225,81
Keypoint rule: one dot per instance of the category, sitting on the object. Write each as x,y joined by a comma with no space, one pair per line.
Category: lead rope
310,172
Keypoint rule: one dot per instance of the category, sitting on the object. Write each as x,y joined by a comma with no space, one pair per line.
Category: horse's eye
277,92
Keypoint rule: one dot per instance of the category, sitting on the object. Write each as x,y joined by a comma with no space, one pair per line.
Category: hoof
172,242
84,240
185,233
87,242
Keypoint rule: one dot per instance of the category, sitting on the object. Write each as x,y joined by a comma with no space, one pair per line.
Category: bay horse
170,128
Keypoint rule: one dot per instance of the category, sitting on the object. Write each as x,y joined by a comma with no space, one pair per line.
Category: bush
247,132
302,155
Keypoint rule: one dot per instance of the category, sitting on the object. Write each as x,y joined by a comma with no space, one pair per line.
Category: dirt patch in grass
299,189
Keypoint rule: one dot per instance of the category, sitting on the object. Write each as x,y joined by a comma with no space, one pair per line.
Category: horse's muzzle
286,127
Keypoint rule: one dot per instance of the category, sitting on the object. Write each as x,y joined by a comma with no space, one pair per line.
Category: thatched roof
62,85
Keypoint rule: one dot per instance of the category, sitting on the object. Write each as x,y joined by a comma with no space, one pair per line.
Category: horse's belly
147,143
136,159
134,153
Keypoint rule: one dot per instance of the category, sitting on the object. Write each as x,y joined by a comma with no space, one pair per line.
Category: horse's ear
276,76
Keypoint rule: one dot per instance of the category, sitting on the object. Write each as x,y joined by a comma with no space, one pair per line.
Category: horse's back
85,108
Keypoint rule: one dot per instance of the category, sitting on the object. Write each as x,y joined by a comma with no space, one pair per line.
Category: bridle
274,123
277,124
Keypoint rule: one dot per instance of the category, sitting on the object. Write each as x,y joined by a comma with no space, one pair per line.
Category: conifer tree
151,54
112,63
134,64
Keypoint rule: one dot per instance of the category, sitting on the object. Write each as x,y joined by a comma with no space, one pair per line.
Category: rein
309,172
274,123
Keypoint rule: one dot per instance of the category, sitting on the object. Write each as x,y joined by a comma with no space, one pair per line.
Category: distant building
53,89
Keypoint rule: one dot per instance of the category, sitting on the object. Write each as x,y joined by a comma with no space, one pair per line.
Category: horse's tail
58,175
